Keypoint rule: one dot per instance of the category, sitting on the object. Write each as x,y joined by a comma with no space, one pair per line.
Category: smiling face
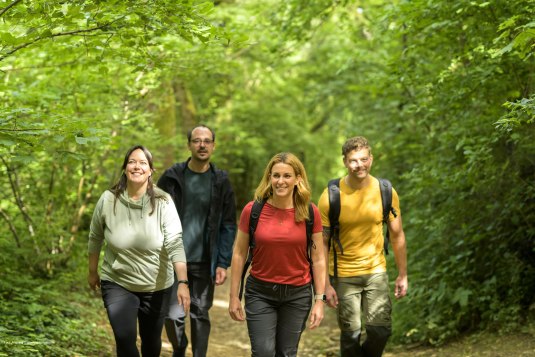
201,144
358,163
137,168
283,180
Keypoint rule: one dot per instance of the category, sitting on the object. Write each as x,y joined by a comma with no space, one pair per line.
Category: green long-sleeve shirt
140,248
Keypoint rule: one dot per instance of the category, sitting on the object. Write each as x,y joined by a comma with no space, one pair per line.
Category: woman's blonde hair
301,194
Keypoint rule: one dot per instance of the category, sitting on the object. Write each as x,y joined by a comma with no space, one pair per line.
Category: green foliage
469,192
443,90
69,75
520,113
46,317
428,84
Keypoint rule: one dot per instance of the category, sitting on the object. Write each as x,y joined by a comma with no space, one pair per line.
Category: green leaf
204,8
81,140
461,296
7,38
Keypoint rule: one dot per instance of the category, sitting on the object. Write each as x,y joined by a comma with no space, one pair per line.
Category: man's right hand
332,298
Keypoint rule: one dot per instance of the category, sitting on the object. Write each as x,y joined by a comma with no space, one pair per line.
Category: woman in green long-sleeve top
143,235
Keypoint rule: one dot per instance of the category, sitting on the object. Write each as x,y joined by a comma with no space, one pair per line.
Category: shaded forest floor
229,338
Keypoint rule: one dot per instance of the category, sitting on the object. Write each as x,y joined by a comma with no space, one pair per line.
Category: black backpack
334,214
253,222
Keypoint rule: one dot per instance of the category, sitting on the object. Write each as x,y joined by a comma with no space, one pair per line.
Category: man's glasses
205,141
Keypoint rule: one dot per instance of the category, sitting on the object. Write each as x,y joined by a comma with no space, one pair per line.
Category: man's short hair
200,126
355,143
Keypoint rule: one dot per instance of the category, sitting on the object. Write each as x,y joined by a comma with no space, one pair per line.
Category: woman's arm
94,244
319,272
183,289
93,278
172,231
239,256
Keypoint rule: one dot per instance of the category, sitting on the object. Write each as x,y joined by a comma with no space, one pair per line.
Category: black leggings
276,316
125,307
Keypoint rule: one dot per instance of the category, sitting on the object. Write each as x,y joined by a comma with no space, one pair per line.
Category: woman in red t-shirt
278,293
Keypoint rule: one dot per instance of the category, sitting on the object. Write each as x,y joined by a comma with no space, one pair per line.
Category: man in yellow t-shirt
360,288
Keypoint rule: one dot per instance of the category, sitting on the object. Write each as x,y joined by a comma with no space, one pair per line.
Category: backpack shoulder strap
253,219
334,203
253,222
310,226
310,221
334,212
386,197
334,216
309,229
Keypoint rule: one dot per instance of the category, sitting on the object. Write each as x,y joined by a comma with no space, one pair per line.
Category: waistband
281,290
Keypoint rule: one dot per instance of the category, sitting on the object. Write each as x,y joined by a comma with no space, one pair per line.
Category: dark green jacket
221,221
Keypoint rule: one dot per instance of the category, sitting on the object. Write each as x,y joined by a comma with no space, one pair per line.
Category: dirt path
229,338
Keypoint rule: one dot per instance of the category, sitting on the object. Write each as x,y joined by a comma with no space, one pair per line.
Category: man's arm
227,231
166,183
323,205
397,238
332,297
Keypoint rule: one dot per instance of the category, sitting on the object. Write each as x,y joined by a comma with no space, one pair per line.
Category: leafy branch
4,10
23,129
15,188
12,227
59,34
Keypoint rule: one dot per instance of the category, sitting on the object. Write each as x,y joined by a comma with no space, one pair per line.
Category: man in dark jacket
206,205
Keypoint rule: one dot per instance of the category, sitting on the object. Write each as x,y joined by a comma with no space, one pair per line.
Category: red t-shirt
280,253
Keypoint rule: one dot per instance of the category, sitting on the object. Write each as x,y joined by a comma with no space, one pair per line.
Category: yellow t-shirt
361,229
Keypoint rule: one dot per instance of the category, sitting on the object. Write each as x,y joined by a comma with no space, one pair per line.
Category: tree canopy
443,90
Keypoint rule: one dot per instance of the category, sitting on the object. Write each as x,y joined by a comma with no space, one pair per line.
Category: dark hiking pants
276,316
126,308
201,289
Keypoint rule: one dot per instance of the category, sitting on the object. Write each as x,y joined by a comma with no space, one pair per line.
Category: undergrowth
50,317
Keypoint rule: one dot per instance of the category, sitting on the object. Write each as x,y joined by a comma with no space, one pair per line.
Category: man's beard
202,158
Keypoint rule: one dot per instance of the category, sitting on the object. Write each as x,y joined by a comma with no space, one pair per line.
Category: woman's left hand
94,280
317,314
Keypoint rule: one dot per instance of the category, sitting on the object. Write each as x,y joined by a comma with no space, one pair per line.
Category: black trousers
125,308
276,316
201,289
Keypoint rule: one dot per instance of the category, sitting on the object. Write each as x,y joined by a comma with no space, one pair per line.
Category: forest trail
229,338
